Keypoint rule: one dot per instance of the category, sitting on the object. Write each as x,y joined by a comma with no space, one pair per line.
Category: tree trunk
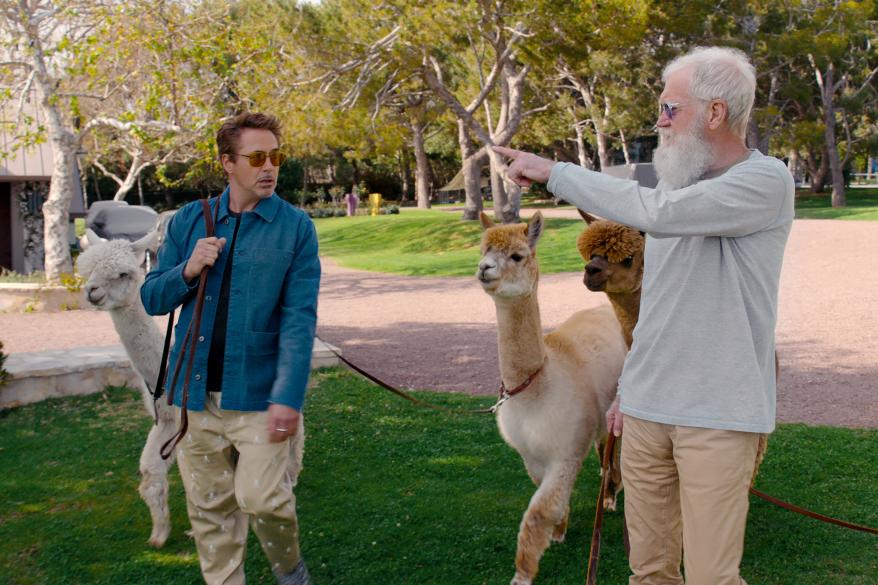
472,174
624,147
793,164
838,195
819,171
870,164
422,167
498,194
601,139
581,152
405,172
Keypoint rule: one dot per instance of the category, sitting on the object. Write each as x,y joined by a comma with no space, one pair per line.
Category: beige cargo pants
686,495
222,495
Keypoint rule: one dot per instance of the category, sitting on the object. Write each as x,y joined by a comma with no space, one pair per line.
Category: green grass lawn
432,243
862,204
390,494
438,243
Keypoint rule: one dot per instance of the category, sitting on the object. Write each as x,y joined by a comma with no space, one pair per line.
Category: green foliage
4,375
390,493
10,276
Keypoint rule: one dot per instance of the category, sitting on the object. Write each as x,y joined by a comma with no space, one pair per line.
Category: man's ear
227,163
718,112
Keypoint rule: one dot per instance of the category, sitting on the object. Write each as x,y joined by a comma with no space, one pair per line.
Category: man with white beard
698,386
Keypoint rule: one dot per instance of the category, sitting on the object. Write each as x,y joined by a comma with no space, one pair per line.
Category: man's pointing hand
526,168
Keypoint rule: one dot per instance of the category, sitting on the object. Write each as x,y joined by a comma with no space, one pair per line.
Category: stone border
38,375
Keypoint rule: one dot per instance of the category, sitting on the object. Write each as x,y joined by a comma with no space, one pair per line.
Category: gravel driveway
439,333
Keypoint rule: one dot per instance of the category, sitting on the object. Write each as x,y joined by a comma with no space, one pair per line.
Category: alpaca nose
94,293
591,269
485,266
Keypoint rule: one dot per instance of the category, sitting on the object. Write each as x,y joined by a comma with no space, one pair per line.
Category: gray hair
721,73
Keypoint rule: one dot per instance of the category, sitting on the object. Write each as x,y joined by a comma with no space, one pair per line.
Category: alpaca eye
123,275
516,257
628,261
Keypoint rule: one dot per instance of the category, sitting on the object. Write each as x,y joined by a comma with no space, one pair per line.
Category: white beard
683,158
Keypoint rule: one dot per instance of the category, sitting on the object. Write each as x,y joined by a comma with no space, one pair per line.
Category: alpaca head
613,255
509,268
113,270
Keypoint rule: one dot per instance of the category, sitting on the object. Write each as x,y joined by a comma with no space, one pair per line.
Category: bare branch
107,173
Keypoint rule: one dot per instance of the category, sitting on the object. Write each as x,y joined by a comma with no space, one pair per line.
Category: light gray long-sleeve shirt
703,350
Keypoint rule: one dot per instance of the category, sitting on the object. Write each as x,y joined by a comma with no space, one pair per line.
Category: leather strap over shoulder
190,341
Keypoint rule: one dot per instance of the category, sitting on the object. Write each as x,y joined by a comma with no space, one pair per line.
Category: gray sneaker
298,576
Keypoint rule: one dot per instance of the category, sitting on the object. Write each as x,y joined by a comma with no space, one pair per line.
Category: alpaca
613,254
573,373
114,273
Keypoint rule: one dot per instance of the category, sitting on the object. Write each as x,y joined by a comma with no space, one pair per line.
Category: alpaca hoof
190,533
610,503
159,536
521,580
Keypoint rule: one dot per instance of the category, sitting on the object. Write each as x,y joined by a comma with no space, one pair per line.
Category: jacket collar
266,208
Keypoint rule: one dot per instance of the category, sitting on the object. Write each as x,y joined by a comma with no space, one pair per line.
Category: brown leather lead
191,338
594,554
810,514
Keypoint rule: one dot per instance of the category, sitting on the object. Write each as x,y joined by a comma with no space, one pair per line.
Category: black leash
406,395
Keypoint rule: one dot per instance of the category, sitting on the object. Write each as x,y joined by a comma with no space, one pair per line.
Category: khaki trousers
686,489
222,494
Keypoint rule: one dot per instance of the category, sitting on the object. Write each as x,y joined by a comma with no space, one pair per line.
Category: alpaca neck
141,338
520,338
627,309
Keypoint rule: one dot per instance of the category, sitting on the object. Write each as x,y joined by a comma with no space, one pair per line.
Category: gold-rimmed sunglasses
257,158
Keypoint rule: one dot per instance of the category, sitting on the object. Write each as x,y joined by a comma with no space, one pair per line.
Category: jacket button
197,376
207,298
226,221
201,338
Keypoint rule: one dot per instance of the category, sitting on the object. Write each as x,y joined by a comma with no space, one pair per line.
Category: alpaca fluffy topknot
504,238
612,240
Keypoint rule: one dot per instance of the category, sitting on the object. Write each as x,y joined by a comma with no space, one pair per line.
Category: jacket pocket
262,343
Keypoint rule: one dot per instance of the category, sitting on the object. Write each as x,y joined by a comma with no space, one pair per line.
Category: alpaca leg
154,479
560,529
547,510
614,482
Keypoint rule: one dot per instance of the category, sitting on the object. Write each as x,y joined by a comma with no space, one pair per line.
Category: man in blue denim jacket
253,354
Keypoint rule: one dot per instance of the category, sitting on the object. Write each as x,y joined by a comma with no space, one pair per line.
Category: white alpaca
114,273
555,420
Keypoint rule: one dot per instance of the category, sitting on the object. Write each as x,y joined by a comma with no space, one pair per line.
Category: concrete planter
27,297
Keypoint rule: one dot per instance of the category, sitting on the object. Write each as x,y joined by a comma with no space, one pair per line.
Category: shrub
4,375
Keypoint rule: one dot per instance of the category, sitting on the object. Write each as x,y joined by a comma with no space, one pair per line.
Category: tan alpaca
555,420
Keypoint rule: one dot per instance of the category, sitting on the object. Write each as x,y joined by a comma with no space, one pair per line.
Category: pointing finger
507,152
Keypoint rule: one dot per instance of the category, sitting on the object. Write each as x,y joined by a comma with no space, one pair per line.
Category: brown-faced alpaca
114,273
573,371
613,255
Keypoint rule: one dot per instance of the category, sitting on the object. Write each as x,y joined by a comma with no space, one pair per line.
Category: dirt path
439,332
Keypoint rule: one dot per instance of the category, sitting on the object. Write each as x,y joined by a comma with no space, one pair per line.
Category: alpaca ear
486,221
90,239
534,230
589,218
148,242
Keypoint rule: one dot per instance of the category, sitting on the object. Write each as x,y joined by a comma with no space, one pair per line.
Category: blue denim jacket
272,302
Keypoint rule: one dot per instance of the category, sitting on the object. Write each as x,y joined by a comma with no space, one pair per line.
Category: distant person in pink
351,200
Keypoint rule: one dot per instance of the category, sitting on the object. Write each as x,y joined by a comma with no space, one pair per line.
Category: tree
82,60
